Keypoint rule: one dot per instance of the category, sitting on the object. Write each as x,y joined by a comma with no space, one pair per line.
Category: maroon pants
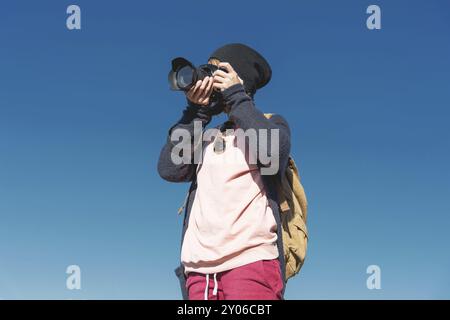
260,280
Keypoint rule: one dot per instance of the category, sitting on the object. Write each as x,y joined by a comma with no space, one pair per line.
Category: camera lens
185,77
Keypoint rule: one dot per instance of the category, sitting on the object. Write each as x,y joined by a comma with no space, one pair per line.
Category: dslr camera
184,75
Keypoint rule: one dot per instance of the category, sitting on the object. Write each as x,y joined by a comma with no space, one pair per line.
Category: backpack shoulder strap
283,203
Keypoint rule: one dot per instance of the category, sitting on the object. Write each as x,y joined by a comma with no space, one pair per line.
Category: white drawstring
207,285
215,285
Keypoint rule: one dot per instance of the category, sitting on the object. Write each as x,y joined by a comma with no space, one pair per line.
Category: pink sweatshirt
231,223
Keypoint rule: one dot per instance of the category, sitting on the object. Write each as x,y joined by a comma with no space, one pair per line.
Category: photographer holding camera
231,241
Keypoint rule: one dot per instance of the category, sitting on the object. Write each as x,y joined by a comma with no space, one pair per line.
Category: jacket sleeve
183,172
244,113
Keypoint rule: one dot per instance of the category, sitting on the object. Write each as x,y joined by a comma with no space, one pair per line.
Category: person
231,246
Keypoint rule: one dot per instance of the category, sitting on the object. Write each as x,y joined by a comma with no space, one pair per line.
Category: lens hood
178,64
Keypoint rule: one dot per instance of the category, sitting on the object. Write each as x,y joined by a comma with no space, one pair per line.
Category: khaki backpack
293,212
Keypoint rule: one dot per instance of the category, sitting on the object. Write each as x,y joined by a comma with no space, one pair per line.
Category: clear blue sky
83,115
